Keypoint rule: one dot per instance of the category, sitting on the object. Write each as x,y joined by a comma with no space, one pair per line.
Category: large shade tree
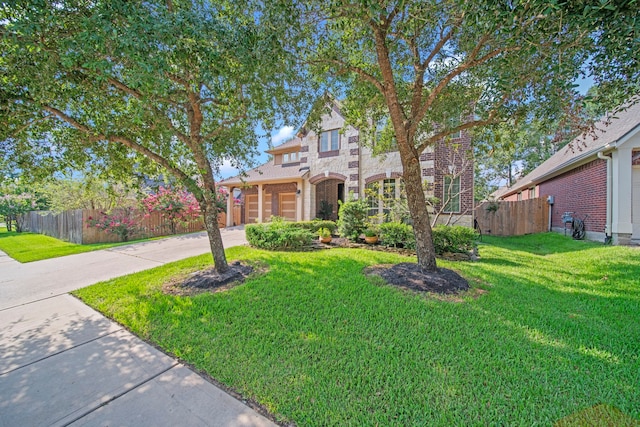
166,87
417,71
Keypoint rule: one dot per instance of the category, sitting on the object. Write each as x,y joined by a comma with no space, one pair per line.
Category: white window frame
377,205
450,199
329,141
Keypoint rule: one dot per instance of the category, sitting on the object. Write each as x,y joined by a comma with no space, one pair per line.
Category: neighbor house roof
607,134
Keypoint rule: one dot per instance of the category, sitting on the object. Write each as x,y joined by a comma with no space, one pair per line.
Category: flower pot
325,239
371,240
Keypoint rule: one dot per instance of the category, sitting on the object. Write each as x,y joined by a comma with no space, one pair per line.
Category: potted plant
371,235
325,235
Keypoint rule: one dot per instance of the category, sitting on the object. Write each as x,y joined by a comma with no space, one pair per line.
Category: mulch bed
405,275
211,281
410,276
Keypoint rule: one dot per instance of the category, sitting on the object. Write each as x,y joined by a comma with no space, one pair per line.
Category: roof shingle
607,132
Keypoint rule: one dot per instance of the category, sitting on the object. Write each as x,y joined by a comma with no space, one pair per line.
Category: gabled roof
608,134
292,143
267,172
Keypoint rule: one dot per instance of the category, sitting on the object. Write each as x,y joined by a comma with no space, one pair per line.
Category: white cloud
285,133
227,170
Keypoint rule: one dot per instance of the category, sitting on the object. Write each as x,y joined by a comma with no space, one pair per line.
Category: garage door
288,206
251,206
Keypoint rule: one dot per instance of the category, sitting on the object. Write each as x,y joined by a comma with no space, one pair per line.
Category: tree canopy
418,71
150,87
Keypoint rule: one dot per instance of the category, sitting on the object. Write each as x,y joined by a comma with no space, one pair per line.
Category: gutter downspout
607,229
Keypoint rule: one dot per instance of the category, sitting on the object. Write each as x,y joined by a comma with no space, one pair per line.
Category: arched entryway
329,189
328,193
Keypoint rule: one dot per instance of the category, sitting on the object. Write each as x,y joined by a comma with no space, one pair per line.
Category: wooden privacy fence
66,226
72,226
513,218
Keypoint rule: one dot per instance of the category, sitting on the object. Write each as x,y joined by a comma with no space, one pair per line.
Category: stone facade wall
356,165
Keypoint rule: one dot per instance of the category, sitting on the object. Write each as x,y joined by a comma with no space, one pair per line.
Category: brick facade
582,190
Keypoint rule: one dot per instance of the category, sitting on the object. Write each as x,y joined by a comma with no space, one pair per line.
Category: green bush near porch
278,235
454,238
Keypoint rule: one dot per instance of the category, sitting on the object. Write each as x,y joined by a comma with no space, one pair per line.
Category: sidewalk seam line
135,256
35,300
61,351
117,396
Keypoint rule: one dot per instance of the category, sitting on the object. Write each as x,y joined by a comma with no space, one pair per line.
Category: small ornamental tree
352,218
175,206
121,222
14,206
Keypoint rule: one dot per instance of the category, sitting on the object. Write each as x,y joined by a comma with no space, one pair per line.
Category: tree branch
223,125
470,63
468,125
366,76
127,142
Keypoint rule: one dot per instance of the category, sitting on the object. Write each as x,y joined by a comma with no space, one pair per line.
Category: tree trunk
411,171
417,203
210,214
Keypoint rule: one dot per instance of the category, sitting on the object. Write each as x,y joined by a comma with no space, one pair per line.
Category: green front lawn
552,328
27,247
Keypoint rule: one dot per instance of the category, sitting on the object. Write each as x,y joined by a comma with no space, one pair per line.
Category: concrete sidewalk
23,283
63,363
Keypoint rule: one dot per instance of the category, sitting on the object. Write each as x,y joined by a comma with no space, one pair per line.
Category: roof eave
575,162
562,168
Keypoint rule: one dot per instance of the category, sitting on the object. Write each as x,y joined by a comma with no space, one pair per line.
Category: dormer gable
287,153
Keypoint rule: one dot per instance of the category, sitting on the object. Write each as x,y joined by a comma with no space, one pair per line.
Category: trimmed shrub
397,235
454,238
352,218
316,225
278,235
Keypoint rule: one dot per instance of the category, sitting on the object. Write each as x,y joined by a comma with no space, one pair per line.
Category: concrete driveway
62,363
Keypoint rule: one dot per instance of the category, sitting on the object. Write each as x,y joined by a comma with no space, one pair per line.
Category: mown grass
317,343
28,247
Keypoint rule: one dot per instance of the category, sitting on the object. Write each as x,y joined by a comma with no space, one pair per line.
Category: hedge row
285,235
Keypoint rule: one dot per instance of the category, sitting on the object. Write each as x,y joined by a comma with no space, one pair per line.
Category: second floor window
290,157
454,122
330,141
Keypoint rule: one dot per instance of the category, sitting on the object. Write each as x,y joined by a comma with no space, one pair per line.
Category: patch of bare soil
211,281
410,276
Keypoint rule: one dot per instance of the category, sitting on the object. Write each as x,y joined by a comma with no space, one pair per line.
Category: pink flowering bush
121,223
221,200
176,206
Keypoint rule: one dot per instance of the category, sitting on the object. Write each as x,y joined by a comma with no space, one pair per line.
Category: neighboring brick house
307,176
597,175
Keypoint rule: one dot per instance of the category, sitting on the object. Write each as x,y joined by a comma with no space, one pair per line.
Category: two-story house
307,176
